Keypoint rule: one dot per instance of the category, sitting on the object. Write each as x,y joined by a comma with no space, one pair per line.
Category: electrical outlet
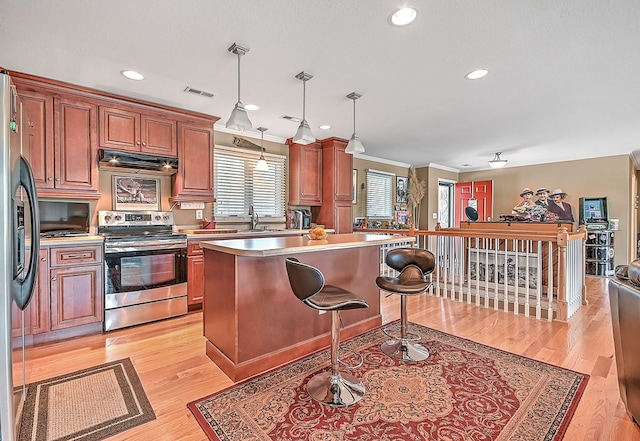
192,205
199,214
435,215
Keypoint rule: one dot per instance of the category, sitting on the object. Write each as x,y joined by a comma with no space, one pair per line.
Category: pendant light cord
354,116
239,76
304,99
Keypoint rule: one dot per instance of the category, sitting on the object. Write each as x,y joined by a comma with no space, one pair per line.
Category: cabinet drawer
193,249
80,255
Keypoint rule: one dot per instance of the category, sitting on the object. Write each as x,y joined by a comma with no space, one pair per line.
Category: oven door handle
141,246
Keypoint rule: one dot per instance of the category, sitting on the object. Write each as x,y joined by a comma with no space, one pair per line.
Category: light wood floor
169,357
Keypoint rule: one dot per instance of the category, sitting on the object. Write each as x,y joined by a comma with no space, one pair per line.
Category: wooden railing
538,274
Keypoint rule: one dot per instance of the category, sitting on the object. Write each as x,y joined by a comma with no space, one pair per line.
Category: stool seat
413,265
409,282
333,297
332,387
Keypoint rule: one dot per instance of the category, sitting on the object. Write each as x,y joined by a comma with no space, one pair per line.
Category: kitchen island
252,320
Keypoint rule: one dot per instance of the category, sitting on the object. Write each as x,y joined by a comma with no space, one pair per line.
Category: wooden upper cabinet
128,130
343,175
37,120
337,183
305,174
194,179
76,145
62,141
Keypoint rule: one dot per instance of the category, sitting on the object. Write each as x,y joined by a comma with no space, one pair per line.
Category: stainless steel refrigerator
19,249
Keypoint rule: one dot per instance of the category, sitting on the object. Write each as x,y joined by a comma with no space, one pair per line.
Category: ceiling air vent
291,118
199,92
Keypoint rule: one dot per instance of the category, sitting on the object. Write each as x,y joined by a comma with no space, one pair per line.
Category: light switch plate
199,214
435,215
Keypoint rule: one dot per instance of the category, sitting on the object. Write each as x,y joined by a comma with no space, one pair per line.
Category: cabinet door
37,119
195,280
343,175
39,305
194,180
17,320
76,296
76,145
36,314
158,136
305,174
343,220
119,129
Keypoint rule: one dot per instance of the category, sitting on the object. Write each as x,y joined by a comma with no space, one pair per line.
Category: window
379,194
237,185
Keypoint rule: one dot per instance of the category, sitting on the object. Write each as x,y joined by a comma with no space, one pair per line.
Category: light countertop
71,241
276,246
246,234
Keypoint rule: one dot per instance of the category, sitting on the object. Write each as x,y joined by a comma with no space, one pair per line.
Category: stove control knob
107,218
157,217
165,217
118,217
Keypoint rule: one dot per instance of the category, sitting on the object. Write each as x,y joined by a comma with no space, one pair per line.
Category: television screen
64,218
593,210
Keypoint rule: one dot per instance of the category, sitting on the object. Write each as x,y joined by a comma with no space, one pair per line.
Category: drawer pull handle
78,256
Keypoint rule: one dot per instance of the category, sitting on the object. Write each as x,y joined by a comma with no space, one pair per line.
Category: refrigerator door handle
22,290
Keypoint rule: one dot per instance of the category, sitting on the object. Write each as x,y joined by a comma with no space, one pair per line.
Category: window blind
379,194
237,185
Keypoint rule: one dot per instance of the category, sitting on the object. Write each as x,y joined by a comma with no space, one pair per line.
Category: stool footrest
356,353
391,333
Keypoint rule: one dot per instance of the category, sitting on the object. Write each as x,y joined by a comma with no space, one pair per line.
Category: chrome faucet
254,218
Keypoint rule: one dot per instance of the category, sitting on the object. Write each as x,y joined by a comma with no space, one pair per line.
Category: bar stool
307,283
414,265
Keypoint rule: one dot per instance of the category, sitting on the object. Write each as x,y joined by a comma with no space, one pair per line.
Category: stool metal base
335,390
404,350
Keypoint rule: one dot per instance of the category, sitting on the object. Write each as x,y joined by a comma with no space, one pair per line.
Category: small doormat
88,405
463,391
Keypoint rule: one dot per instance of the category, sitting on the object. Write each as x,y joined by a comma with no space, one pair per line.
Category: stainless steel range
145,267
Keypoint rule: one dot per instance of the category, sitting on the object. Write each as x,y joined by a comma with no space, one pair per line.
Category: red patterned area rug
463,391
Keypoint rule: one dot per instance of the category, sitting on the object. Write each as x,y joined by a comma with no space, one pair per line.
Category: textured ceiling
562,83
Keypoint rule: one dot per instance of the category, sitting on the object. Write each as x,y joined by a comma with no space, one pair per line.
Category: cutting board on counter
209,231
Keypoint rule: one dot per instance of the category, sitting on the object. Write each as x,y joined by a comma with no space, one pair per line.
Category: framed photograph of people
135,193
402,183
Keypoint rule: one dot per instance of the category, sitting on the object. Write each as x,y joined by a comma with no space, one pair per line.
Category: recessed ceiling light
251,107
325,127
132,75
476,74
404,16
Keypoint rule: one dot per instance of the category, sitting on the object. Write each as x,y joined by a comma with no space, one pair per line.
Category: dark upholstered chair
624,299
307,283
414,266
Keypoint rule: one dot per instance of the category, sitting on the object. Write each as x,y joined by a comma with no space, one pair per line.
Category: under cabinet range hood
113,160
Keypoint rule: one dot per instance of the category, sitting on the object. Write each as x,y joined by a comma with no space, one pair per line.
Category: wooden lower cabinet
68,295
36,314
195,273
73,296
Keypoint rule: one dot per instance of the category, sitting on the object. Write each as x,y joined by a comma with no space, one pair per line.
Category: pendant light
496,162
262,165
304,135
239,120
354,146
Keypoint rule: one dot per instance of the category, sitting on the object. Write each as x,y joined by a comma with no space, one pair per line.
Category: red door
478,194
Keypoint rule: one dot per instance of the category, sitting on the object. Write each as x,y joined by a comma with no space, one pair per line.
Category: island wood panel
254,322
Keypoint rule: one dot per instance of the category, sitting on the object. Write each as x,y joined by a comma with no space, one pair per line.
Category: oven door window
140,270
